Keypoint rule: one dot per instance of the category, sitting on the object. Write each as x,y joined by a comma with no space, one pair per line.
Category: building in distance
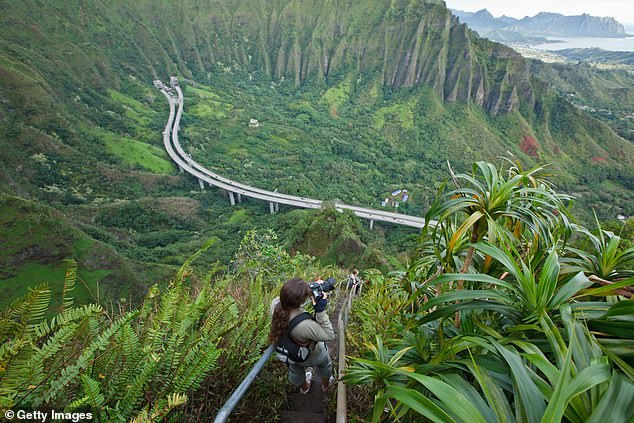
396,198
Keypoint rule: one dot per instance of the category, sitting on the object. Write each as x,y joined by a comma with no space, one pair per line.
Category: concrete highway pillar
232,200
181,168
202,184
239,197
371,224
271,207
277,207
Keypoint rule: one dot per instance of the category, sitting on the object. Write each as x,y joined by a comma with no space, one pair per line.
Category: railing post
341,387
342,320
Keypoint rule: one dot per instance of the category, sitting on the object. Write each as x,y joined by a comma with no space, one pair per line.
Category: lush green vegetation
500,319
499,304
400,139
605,92
175,356
508,312
36,242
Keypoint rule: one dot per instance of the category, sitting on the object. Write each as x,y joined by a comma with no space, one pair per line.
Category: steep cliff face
409,42
405,43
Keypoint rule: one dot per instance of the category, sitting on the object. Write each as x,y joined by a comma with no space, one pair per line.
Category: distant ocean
611,44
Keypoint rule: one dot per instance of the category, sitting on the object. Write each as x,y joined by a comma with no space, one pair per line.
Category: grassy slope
37,239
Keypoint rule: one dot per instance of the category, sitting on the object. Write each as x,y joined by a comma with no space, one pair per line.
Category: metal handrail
342,322
231,403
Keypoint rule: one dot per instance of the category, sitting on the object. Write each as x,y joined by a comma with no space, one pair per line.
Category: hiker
354,282
311,333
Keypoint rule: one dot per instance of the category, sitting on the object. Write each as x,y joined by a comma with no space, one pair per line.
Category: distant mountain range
531,29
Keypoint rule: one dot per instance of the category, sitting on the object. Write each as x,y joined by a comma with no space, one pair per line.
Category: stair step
302,417
308,403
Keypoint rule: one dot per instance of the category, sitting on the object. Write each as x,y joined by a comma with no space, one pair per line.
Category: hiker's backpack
288,350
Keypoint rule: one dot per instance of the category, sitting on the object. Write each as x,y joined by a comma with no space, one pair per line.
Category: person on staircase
312,333
354,282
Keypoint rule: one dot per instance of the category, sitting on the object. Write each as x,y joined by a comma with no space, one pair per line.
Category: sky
621,10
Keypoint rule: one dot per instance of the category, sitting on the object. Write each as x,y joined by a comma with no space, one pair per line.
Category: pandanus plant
535,343
606,263
520,209
489,205
524,354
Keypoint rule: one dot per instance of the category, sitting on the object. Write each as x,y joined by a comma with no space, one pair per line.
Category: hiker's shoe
331,381
309,380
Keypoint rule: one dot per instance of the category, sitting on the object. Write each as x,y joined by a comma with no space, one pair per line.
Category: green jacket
313,331
310,332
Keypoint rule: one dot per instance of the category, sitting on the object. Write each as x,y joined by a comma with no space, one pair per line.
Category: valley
186,162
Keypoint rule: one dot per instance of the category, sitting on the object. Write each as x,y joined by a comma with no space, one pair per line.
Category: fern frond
18,308
69,284
101,341
171,301
199,361
213,327
76,404
17,374
124,367
41,297
161,409
14,366
68,316
135,391
8,350
25,313
27,368
92,392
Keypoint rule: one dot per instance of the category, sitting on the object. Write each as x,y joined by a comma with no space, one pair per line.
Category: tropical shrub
495,324
139,363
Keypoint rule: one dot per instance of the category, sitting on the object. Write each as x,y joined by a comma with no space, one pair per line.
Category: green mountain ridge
356,99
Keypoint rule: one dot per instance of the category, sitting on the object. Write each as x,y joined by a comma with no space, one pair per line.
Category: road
186,163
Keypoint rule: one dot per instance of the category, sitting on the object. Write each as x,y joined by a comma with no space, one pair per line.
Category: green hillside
355,101
607,94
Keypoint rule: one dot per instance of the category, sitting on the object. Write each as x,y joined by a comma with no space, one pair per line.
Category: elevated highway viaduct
238,190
